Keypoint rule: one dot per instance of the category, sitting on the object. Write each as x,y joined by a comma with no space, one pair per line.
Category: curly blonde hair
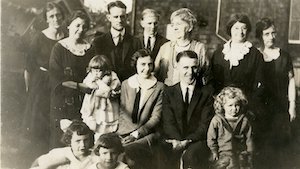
229,93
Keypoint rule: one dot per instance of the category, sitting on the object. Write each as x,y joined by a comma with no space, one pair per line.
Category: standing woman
183,22
237,63
68,62
141,104
280,89
36,116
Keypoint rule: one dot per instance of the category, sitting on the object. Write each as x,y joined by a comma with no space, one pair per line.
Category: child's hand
215,156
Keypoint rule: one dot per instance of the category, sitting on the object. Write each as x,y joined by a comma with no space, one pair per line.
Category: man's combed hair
118,4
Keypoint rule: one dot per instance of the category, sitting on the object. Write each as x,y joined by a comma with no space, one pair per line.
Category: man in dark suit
118,45
187,111
151,39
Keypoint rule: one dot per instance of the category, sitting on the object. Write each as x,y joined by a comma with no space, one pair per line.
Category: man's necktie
187,97
119,39
149,44
184,115
136,106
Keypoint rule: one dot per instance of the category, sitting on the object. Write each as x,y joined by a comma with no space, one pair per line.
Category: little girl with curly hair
229,136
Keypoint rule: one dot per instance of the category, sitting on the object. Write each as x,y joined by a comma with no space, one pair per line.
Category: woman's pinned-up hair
50,6
238,17
262,25
139,54
229,93
186,15
79,14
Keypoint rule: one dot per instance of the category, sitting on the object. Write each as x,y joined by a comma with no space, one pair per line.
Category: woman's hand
215,156
292,111
128,139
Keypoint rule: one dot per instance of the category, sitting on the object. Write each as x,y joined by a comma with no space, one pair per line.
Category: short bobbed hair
229,93
187,53
100,62
109,141
262,25
81,129
141,53
50,6
78,14
118,4
186,15
238,17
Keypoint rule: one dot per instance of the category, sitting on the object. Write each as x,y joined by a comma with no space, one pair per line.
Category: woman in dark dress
280,92
237,63
68,61
36,116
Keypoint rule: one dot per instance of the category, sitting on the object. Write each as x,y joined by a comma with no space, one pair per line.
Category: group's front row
159,127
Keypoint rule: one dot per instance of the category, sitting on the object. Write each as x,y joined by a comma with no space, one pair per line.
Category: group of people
165,104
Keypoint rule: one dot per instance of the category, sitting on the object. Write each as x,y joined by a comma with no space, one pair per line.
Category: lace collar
134,82
271,54
78,50
235,54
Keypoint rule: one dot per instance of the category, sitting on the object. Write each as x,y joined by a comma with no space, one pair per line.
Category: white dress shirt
152,40
115,35
191,87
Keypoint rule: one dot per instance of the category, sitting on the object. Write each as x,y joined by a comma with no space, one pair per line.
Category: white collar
116,33
270,54
191,87
234,55
78,50
134,82
147,36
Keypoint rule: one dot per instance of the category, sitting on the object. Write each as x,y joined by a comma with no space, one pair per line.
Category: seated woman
141,105
77,155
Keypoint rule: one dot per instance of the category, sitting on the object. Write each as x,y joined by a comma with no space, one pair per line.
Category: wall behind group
278,10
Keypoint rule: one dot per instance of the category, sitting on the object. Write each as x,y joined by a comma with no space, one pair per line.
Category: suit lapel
194,101
126,45
111,45
179,105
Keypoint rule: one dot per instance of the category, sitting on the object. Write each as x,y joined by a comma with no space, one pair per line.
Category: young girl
108,148
229,135
77,155
100,109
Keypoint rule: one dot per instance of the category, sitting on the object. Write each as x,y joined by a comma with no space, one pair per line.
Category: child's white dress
66,153
100,109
